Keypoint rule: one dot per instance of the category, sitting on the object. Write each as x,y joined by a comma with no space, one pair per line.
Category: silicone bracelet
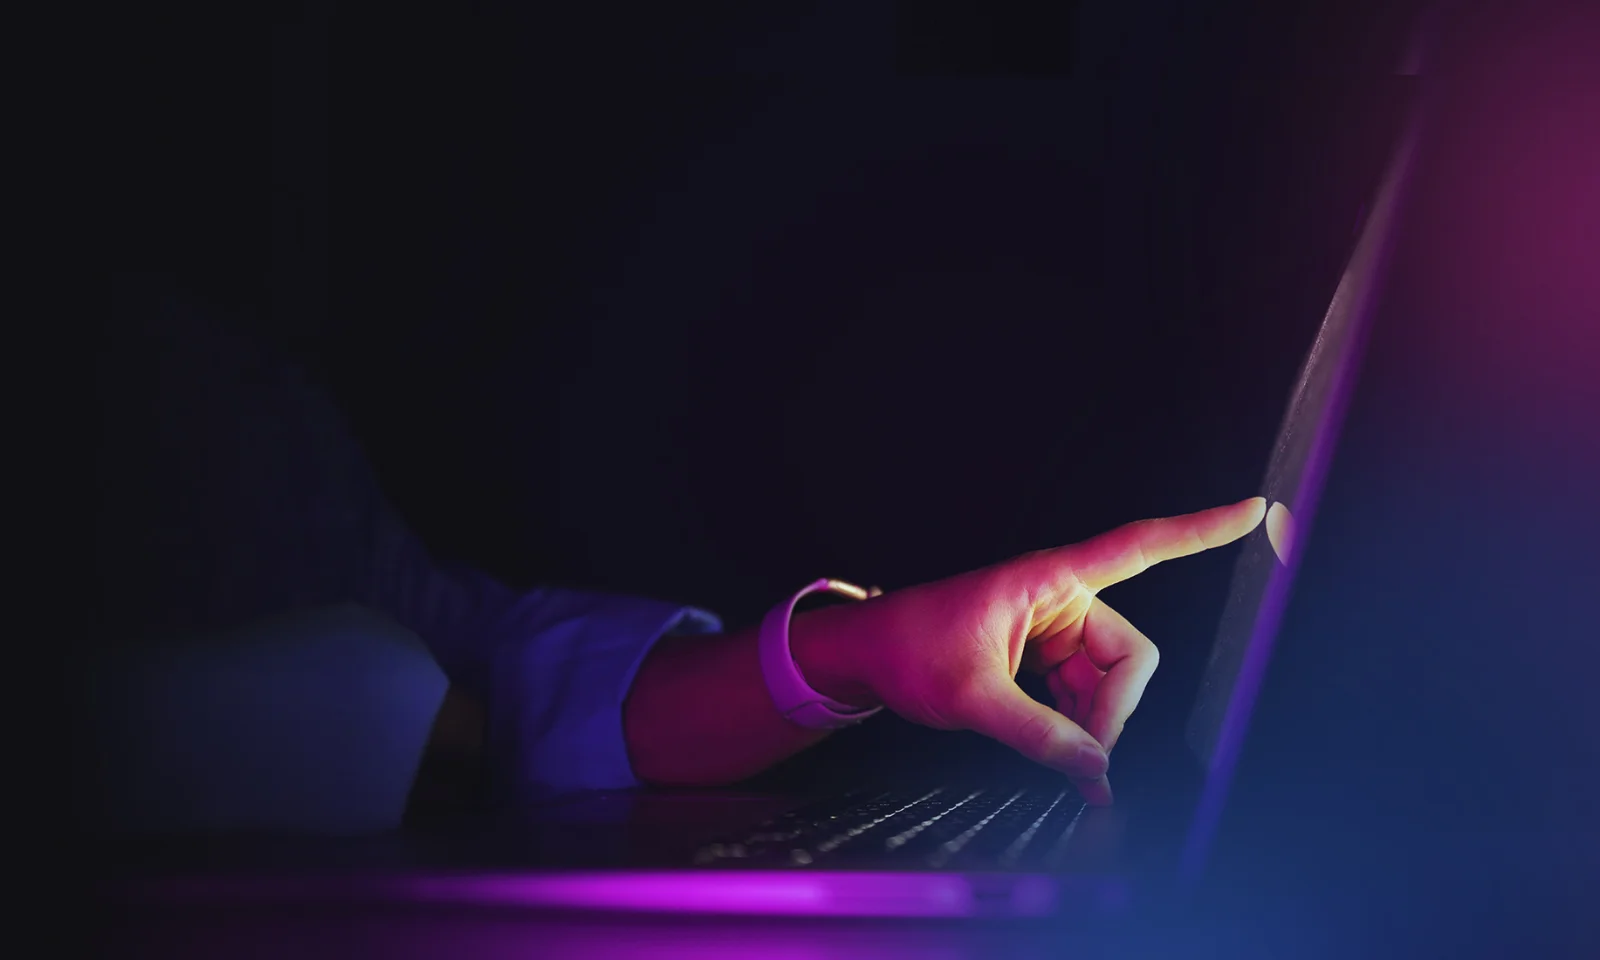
795,698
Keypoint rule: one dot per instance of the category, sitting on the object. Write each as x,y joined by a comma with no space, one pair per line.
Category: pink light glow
768,894
756,893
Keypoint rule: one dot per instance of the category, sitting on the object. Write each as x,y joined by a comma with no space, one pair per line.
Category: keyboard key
944,828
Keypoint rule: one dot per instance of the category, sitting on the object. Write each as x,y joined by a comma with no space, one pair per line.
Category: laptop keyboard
941,828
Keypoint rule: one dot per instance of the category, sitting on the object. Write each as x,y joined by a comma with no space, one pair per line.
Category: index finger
1132,549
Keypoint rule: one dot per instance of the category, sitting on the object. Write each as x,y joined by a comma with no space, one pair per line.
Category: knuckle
1011,582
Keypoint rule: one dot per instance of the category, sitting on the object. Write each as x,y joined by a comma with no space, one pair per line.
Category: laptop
1031,846
1004,843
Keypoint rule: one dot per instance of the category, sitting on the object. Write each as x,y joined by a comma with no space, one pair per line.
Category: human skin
944,654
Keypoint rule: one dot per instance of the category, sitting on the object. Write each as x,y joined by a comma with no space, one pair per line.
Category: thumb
1002,710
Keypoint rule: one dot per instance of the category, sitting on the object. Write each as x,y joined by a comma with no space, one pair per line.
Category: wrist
830,647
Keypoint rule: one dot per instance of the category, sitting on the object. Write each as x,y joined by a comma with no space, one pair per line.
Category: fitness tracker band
795,698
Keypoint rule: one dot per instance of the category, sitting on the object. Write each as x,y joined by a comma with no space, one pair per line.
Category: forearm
699,712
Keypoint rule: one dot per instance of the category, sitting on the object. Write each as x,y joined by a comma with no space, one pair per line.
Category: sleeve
552,665
557,688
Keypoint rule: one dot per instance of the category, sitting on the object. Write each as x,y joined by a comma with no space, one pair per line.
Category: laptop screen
1293,482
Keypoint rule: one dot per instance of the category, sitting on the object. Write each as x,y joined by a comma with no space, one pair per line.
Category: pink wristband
795,698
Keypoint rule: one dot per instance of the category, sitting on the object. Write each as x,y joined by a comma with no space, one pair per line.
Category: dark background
704,307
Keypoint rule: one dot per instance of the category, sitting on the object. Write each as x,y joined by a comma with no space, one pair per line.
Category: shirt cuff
555,701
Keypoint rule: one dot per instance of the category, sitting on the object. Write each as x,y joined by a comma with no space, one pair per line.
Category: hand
947,654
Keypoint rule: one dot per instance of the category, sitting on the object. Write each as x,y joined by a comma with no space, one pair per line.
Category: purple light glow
763,893
768,894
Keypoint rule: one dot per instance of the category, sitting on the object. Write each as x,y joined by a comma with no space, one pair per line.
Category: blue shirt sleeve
556,696
279,510
554,666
